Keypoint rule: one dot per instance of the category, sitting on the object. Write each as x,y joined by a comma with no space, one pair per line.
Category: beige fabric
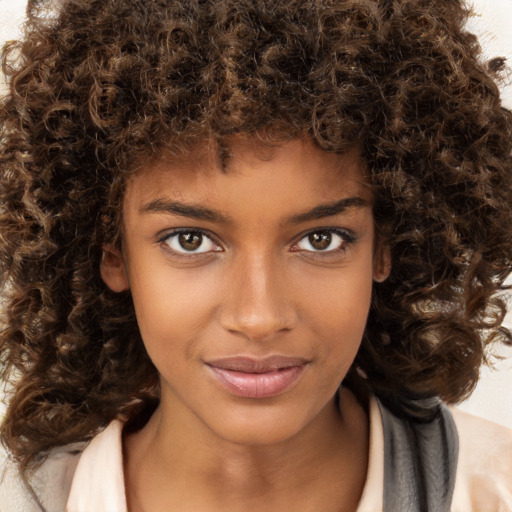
96,480
103,473
50,482
371,499
483,483
99,480
484,472
484,475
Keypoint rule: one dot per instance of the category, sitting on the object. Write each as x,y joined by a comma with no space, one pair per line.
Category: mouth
257,378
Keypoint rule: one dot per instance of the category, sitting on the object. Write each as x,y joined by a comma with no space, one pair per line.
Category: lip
257,378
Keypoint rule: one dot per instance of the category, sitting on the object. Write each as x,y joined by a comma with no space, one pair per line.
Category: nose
258,303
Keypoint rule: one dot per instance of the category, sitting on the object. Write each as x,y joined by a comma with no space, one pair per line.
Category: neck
169,463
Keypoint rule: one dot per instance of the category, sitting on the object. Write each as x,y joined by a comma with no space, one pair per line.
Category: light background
492,398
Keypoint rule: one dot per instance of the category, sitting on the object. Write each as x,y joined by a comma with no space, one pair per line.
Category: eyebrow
201,213
185,210
329,209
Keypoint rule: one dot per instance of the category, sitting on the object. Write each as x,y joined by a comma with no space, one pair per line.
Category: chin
258,427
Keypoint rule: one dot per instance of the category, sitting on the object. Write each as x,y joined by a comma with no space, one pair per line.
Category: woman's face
251,285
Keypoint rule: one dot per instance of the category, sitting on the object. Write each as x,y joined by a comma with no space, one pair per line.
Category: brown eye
320,241
325,240
190,242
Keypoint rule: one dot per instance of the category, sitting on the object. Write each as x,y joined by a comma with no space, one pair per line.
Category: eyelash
347,239
167,237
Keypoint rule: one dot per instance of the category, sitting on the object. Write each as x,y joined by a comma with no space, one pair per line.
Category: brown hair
101,85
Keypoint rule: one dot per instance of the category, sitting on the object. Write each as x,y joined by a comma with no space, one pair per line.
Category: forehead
297,167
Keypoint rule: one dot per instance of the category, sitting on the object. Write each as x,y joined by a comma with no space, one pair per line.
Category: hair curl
103,84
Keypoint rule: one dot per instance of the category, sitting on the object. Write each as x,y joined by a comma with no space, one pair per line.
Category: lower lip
258,385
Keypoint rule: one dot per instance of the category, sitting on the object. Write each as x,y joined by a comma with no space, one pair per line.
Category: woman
261,243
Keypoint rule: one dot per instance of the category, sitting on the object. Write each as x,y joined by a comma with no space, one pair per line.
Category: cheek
336,315
338,308
172,307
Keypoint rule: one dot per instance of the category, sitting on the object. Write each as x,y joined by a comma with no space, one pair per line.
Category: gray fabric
44,489
420,457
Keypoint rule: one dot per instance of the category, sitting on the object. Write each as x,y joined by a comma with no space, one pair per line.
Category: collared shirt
483,482
90,478
98,483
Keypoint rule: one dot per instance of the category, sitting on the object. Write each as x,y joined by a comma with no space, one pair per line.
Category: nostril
257,327
258,306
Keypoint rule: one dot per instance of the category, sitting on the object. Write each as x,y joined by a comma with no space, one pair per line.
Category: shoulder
98,482
64,480
44,488
484,471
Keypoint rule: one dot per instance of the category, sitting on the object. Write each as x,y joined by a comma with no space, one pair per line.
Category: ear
381,263
113,269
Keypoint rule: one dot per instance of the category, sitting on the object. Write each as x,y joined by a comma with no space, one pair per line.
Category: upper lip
256,365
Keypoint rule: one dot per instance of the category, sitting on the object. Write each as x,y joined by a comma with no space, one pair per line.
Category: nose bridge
258,305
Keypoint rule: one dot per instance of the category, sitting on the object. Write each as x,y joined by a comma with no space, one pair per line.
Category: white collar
98,483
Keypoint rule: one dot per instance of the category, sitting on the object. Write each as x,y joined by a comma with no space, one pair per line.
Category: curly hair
97,87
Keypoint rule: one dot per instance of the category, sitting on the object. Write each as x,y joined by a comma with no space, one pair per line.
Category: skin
258,285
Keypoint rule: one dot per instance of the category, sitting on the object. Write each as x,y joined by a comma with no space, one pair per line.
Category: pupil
190,241
320,241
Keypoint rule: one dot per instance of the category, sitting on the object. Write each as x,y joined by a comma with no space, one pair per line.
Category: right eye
322,241
185,242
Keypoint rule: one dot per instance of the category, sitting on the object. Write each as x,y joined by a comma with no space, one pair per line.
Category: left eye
191,242
323,241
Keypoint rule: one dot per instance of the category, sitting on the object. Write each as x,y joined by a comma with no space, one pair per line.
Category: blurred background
490,21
